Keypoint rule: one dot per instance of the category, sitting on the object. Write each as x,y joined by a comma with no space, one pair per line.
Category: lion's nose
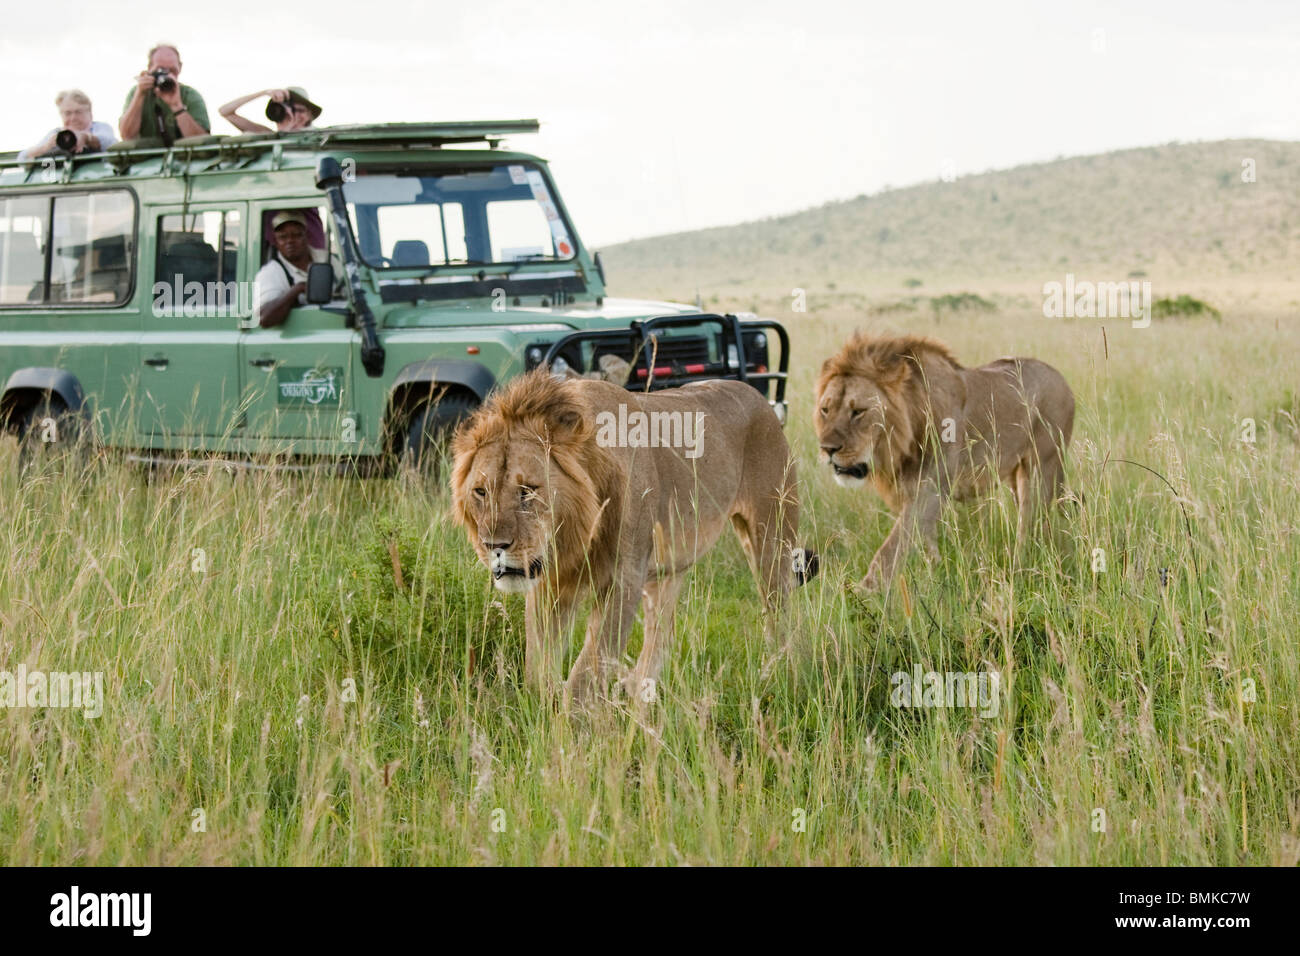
831,450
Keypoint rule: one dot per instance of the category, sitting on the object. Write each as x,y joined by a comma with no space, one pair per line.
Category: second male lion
582,487
904,413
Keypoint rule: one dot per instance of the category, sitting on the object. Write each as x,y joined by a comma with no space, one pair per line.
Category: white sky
678,114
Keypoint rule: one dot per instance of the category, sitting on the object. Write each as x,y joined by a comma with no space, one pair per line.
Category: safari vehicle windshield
467,216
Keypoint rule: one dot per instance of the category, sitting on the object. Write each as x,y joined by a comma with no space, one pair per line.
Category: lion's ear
893,368
567,420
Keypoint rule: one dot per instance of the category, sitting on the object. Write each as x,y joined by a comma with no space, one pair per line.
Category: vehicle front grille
676,350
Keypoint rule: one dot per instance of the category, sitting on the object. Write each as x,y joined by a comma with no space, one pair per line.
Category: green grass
228,690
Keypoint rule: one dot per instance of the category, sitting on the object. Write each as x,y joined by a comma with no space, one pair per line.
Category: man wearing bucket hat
289,108
281,284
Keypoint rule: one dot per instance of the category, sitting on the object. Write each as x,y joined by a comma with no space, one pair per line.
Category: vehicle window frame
262,245
132,257
470,268
225,208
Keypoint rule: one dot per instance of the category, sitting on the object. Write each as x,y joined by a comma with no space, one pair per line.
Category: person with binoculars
79,132
289,109
160,105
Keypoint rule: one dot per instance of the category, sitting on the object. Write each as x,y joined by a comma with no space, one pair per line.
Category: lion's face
851,420
521,485
508,500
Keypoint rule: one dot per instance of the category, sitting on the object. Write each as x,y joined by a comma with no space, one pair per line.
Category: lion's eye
825,410
857,412
480,492
527,494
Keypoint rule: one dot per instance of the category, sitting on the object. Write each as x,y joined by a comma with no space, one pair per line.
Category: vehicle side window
22,249
198,254
92,239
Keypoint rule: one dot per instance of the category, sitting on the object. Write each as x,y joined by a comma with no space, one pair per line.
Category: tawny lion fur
903,412
553,511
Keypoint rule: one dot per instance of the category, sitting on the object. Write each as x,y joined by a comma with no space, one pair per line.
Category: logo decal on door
309,386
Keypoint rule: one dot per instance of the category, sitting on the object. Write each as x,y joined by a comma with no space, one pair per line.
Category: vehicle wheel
429,430
49,434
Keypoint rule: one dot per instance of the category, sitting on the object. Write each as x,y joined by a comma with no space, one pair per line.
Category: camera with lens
66,140
162,81
275,112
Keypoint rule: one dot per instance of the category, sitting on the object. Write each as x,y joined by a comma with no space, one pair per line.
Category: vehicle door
189,342
297,377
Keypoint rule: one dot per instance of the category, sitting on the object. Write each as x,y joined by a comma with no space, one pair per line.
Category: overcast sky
678,114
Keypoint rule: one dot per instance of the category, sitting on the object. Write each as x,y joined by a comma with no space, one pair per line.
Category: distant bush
912,283
890,308
961,302
1138,274
1185,306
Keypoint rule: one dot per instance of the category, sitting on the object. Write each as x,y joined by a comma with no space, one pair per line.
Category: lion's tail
806,565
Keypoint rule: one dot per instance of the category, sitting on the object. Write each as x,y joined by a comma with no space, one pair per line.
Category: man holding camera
289,108
162,106
79,132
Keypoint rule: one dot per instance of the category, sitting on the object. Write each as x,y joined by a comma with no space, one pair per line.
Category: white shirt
101,131
271,281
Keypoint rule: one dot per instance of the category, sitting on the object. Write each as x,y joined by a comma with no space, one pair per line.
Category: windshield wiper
525,259
508,270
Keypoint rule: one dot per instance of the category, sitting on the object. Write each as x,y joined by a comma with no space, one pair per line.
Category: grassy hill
1179,213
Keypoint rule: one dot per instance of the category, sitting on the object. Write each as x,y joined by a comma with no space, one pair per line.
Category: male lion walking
905,413
577,487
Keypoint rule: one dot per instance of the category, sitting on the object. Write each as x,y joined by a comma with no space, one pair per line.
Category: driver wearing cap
281,284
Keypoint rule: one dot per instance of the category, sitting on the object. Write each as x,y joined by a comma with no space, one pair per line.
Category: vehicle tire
49,434
429,429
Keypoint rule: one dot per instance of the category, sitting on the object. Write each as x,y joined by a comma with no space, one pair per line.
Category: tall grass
290,702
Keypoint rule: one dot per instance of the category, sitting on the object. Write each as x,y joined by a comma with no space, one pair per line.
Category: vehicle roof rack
434,134
125,154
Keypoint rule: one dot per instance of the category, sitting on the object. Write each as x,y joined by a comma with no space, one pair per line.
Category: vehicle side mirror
320,283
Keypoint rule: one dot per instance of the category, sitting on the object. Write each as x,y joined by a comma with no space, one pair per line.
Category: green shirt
190,99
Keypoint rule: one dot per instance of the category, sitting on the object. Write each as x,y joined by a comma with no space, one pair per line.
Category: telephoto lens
66,140
275,111
163,82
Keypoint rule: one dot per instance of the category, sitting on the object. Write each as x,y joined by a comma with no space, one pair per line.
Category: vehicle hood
579,315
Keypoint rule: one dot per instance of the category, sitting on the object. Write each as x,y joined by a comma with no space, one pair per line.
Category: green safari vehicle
448,266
